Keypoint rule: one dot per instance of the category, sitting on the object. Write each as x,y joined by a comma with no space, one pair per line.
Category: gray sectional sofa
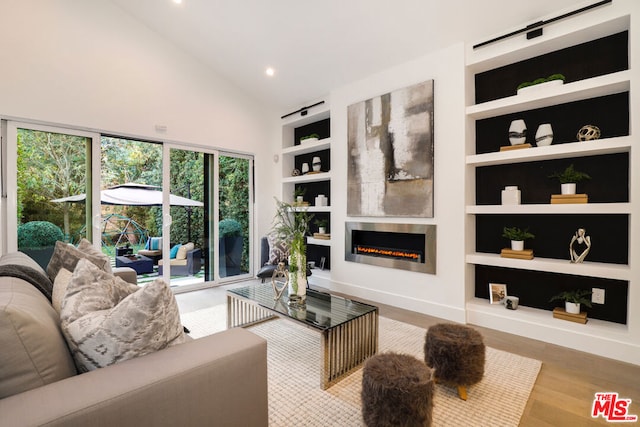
220,379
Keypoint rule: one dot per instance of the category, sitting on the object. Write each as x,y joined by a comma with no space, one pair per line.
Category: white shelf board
591,269
312,208
321,274
305,148
314,177
620,144
608,84
318,242
575,209
542,319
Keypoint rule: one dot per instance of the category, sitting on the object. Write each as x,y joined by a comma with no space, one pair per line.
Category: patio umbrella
133,194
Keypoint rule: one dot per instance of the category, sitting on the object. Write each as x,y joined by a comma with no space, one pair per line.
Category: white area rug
295,396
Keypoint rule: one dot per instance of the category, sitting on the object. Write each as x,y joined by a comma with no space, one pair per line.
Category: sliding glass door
50,170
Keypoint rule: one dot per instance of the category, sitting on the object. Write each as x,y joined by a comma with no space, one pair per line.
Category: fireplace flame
394,253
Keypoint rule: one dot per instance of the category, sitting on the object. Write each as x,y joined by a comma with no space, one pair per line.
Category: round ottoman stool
456,353
397,389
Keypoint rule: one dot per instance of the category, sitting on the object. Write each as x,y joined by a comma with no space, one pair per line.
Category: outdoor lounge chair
187,266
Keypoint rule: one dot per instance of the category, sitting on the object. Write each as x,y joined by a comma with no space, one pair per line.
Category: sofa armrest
127,274
220,379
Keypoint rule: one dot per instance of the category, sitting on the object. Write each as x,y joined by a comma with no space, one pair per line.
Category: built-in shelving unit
598,90
294,153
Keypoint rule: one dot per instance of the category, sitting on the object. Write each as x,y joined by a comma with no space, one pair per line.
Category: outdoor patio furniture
184,266
141,264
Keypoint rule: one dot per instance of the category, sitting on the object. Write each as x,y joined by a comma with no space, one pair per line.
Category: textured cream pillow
106,320
67,256
87,247
184,249
60,285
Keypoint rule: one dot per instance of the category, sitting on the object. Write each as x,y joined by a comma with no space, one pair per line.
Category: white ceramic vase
544,135
305,168
517,132
316,164
568,188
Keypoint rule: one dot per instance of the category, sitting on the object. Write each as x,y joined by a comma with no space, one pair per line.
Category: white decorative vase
544,135
322,230
316,164
517,132
305,168
571,307
568,188
511,195
517,245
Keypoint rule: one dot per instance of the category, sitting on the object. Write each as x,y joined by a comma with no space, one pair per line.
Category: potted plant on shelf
517,237
322,225
573,299
310,138
554,79
298,195
569,178
291,225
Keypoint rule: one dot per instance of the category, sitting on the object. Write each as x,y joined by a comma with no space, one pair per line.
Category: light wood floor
565,388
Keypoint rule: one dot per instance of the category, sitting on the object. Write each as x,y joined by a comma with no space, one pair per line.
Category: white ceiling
316,46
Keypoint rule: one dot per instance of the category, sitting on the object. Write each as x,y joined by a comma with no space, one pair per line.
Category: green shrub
229,228
38,235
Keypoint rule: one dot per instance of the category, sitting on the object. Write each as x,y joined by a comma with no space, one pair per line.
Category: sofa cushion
278,250
184,249
174,251
60,285
154,244
67,256
107,320
87,247
34,352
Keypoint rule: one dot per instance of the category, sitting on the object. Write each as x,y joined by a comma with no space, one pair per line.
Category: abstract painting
390,154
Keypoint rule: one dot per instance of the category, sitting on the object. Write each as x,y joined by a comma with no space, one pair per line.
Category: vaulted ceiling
315,46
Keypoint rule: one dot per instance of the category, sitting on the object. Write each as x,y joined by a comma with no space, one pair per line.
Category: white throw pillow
60,285
107,320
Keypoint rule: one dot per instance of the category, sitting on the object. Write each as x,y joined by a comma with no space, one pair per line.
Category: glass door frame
213,221
10,185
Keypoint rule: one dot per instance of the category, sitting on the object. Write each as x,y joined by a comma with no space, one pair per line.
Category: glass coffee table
349,328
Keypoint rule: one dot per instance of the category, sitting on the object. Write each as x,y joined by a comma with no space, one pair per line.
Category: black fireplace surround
404,246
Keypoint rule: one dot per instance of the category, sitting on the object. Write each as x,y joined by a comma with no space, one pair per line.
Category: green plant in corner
577,296
517,234
570,175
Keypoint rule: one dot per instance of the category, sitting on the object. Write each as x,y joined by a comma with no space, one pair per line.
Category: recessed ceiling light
270,72
177,1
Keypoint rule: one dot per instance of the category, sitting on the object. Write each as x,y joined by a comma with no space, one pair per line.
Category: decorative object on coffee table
457,354
279,280
396,388
291,225
579,246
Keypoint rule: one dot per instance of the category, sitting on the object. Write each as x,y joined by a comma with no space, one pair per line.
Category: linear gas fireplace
404,246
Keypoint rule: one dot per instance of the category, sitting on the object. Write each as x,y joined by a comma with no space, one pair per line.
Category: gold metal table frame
349,329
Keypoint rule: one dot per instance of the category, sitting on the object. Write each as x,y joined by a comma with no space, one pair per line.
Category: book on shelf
510,253
560,313
569,198
514,147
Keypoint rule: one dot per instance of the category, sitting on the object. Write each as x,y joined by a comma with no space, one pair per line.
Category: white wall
87,64
441,294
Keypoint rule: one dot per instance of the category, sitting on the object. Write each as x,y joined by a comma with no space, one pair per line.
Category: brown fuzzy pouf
397,390
456,353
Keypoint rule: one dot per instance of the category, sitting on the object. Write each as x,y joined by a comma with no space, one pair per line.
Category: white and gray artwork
390,154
